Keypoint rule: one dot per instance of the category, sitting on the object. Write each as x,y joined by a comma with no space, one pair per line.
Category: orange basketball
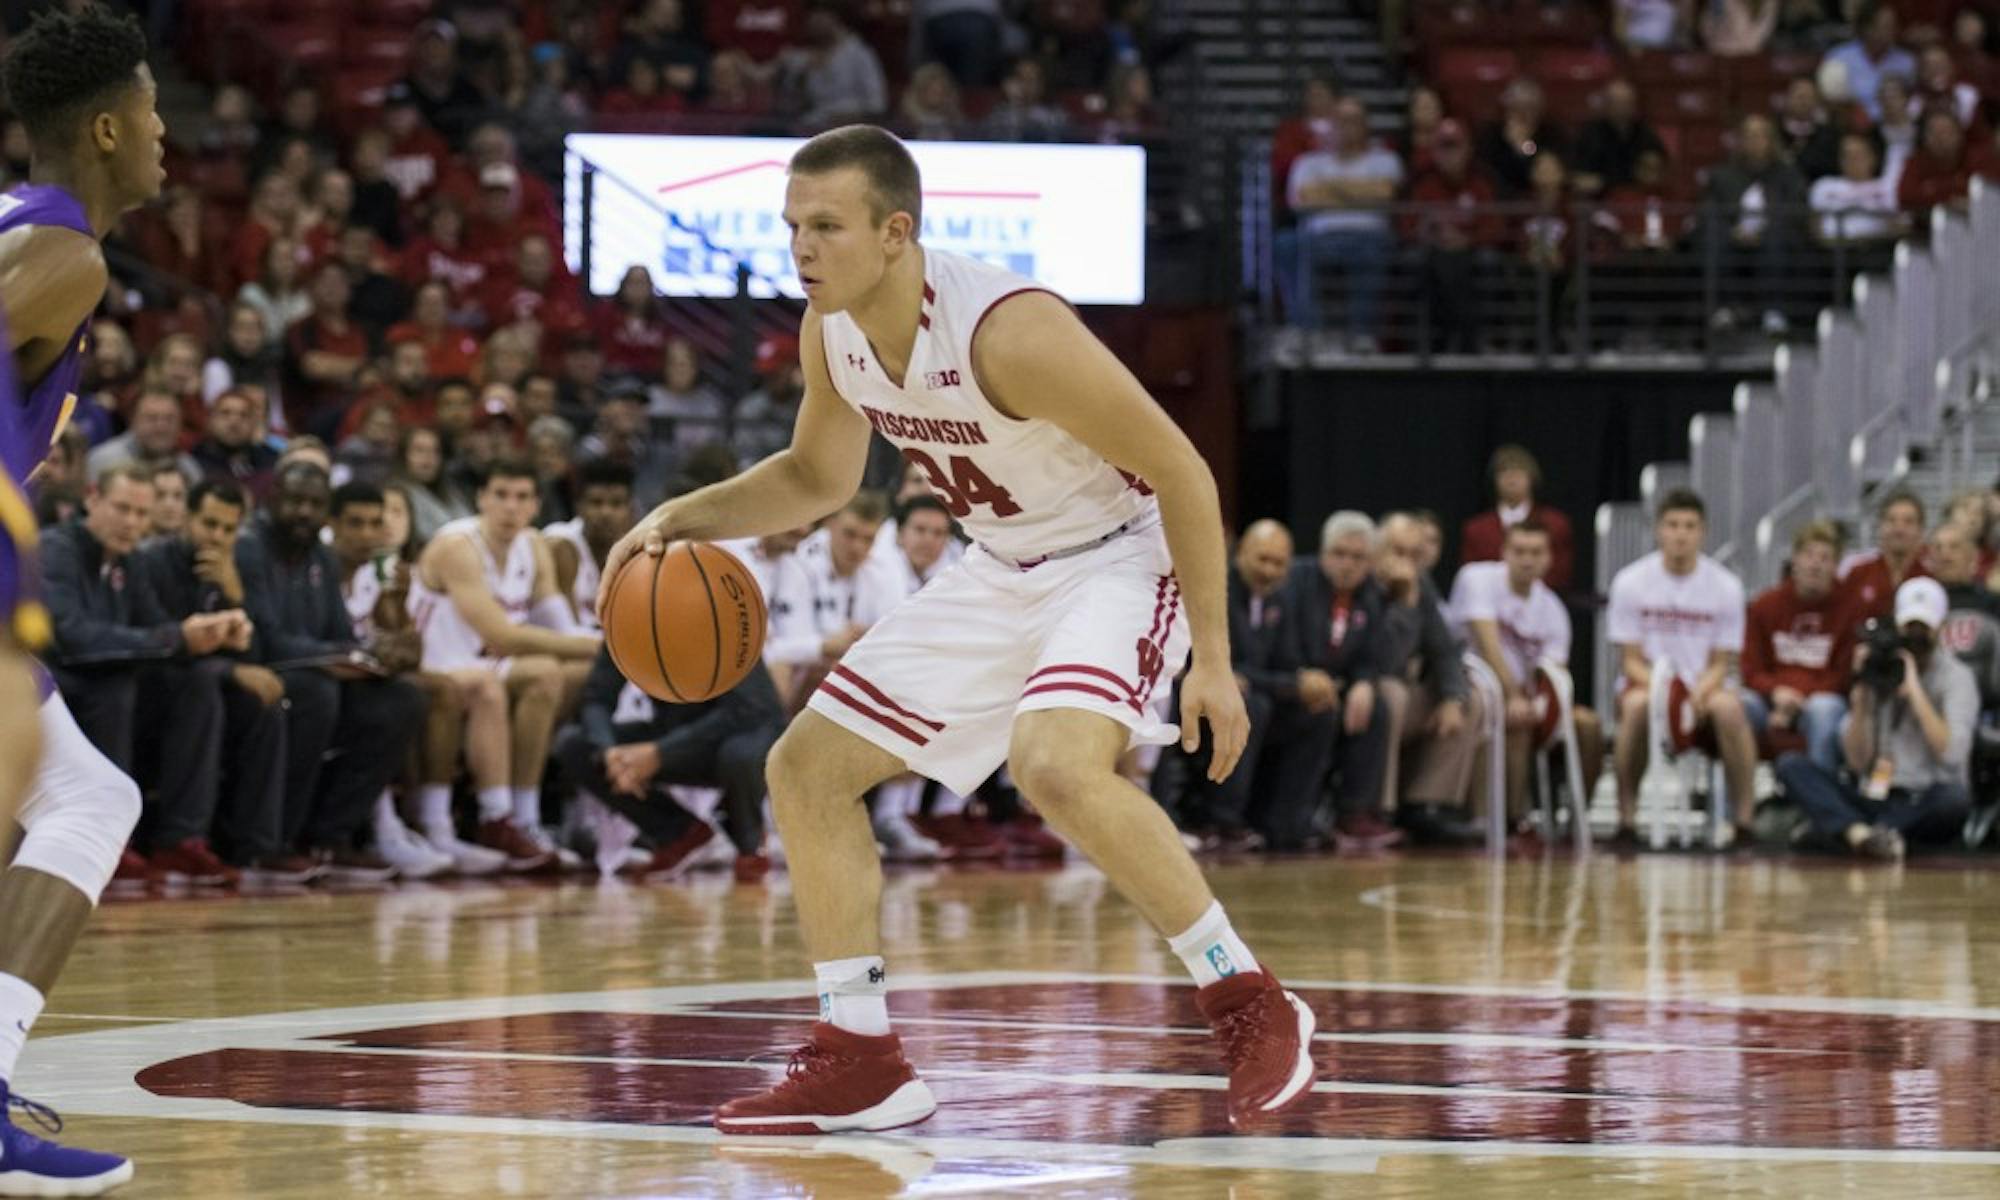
685,626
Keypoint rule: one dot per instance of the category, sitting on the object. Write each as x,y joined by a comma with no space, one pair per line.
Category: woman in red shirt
631,326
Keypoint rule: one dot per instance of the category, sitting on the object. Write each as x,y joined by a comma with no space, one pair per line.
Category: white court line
94,1074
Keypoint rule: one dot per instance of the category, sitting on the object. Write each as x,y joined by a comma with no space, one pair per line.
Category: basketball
687,625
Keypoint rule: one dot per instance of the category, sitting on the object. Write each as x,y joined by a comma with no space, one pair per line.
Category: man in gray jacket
1435,720
1907,749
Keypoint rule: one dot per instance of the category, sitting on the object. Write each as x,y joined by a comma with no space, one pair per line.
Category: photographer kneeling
1907,741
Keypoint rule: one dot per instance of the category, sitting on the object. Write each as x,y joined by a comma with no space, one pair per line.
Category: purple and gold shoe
30,1166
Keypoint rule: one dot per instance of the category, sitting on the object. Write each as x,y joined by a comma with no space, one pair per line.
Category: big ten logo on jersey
963,486
933,380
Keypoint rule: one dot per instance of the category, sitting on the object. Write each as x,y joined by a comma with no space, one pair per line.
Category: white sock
853,994
20,1004
1210,948
900,797
528,807
495,803
434,807
386,816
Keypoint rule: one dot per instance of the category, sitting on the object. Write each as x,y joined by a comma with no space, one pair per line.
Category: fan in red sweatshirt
1798,649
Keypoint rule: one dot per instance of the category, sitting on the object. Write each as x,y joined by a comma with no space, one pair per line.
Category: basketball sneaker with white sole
837,1081
1266,1034
31,1166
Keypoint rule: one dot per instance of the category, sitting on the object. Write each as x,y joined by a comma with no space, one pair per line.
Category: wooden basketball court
1660,1026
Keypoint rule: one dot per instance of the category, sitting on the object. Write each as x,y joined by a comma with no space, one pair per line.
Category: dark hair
893,184
1528,525
354,491
923,503
69,66
1903,496
510,468
1681,499
602,472
225,491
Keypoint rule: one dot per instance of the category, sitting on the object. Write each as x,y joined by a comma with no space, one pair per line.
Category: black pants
366,725
245,789
734,763
1451,294
179,708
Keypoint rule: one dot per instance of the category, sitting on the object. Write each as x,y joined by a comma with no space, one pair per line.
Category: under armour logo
877,975
857,362
1219,959
22,1026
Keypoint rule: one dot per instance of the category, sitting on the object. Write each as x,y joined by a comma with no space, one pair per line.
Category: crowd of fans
1768,134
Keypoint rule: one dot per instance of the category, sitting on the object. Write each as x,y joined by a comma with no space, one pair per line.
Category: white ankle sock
434,807
853,994
1210,948
495,803
528,807
20,1004
386,816
900,797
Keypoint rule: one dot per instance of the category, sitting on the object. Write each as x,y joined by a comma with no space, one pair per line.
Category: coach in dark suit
1331,640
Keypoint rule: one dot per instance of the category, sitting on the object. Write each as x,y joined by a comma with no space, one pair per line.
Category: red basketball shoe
836,1081
1266,1035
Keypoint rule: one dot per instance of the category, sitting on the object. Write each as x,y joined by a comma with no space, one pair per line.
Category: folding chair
1487,684
1555,729
1681,764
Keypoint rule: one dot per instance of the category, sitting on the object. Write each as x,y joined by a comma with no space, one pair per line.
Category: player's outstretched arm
50,280
454,564
1035,359
798,485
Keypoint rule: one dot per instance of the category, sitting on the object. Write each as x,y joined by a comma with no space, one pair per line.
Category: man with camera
1908,737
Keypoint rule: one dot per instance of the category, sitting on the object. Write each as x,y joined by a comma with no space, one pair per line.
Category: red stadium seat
1570,102
375,44
405,13
221,180
1475,102
1690,104
1459,65
1703,145
1564,65
1557,24
1438,25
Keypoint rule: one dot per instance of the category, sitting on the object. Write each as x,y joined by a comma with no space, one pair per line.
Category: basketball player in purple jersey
78,80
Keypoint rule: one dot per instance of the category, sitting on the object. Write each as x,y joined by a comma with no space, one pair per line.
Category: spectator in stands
368,455
685,409
1857,206
434,500
189,576
439,90
632,325
1642,25
1508,147
1908,749
551,451
763,420
1739,28
627,749
278,293
452,351
417,155
1806,132
179,244
376,300
620,435
327,211
1652,213
247,355
1435,722
324,355
273,215
1798,647
832,77
1318,96
549,111
406,390
1971,50
1330,641
1516,476
1680,609
581,385
155,432
298,115
441,253
170,497
1128,106
1459,231
229,131
963,36
1870,578
1422,118
504,215
735,90
1515,624
135,677
234,449
1867,58
305,448
110,379
1940,86
640,93
1898,129
1548,237
1340,190
174,367
760,28
378,205
1430,541
657,33
1806,27
1759,202
1023,114
1941,171
930,110
339,699
1608,147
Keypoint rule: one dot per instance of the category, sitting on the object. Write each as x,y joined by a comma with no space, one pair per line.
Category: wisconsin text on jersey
925,429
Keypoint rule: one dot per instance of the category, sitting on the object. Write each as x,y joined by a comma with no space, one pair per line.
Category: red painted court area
1108,1063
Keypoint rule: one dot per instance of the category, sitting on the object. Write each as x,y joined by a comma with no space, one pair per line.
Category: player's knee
1726,710
1050,775
79,838
535,677
787,769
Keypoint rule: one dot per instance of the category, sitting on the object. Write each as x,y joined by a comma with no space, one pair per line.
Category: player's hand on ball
1209,691
647,537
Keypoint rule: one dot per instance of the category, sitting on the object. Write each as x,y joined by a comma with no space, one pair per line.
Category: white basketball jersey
584,592
1022,489
450,641
362,593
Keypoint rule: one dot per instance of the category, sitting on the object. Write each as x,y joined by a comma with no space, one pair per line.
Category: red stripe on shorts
1159,606
881,719
1088,689
874,693
1083,669
1173,610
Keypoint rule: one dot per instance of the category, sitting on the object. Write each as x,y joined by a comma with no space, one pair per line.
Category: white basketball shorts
939,681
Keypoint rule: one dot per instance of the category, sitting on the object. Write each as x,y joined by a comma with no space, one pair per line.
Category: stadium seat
1557,24
1563,65
1436,24
1457,66
375,44
1683,105
405,13
1673,69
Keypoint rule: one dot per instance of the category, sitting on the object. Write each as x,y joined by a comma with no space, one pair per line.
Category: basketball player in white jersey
578,546
485,596
1041,648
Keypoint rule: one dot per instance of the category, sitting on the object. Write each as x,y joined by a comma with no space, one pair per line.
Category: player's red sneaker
1266,1035
192,862
524,857
1029,837
967,837
836,1081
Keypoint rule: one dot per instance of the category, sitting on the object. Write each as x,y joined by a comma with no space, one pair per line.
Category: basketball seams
714,617
653,621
